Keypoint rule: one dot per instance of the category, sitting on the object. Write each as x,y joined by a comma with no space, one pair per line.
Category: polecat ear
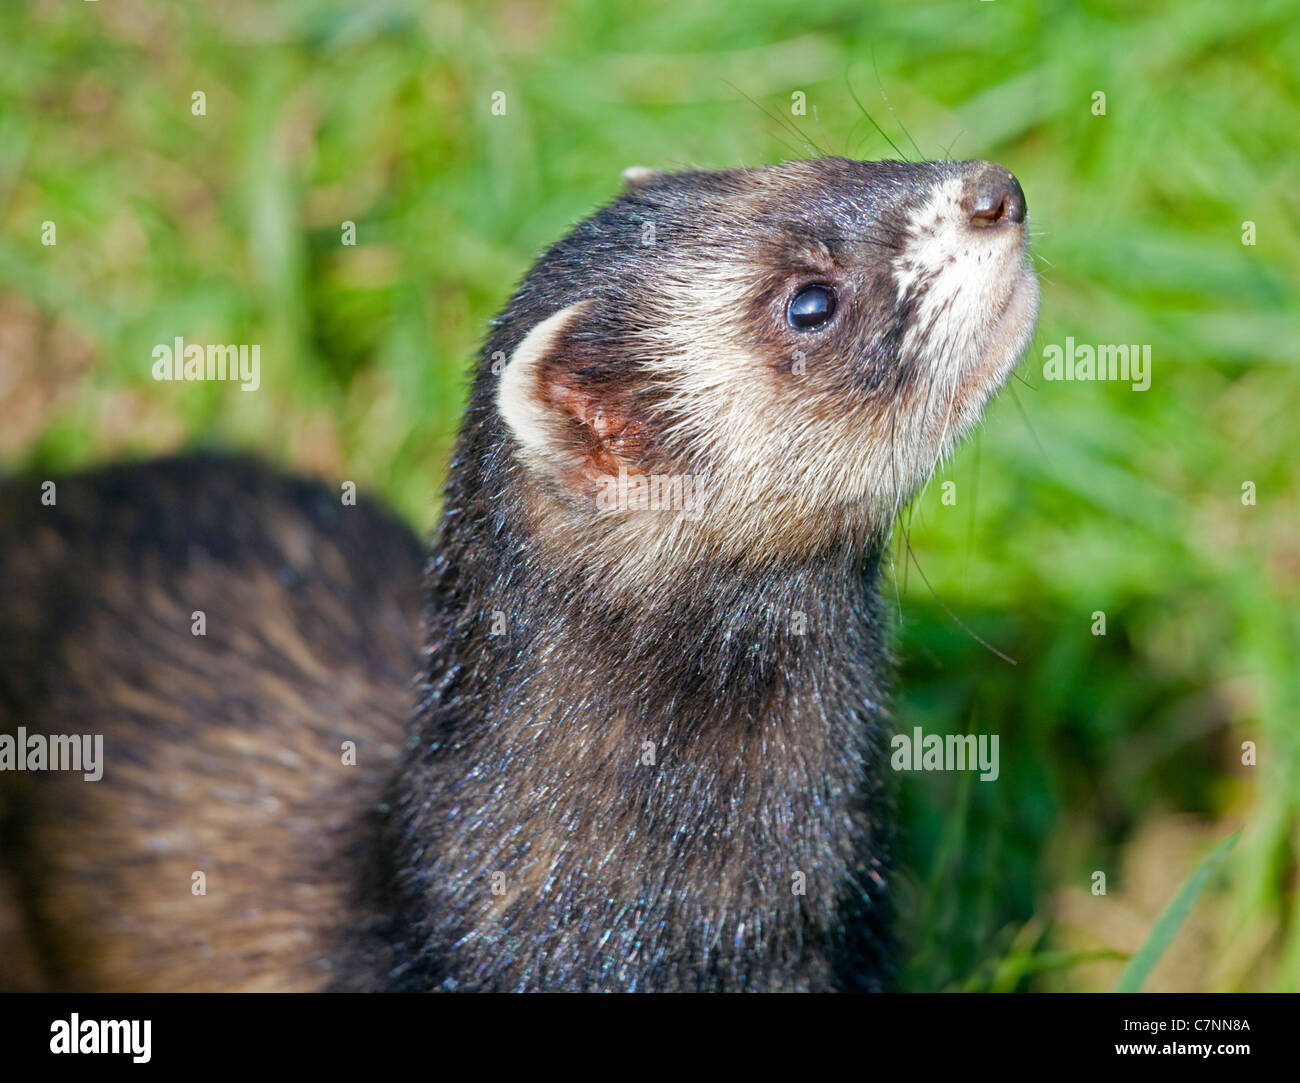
564,406
634,176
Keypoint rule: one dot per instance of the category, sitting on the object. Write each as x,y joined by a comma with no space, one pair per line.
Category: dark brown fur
222,752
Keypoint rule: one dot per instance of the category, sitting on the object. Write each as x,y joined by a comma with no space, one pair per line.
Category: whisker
890,107
955,619
858,102
1029,425
813,150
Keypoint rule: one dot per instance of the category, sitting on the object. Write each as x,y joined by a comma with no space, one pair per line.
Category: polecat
644,748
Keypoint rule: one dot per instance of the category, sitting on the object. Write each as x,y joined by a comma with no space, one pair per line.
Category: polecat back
227,632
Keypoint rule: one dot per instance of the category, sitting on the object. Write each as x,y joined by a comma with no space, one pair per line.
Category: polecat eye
811,307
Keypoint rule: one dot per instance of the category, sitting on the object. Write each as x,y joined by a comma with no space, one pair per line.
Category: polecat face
792,350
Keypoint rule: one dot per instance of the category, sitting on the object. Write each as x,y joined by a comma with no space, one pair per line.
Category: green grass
1139,968
1074,498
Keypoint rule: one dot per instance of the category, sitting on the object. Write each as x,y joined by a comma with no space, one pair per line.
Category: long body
642,746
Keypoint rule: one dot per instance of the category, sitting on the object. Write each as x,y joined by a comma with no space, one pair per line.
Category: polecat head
760,364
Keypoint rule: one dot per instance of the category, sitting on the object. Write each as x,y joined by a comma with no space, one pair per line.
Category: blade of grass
1166,927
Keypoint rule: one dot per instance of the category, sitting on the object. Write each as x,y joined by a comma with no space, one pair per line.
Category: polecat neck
677,789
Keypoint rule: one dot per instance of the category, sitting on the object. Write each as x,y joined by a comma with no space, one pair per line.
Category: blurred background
1120,753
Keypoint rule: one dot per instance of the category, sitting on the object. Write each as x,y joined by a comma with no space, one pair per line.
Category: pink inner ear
602,438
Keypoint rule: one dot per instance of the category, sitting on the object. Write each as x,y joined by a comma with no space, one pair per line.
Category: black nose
995,197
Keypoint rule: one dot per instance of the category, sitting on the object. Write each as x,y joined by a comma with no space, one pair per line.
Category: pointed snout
993,197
